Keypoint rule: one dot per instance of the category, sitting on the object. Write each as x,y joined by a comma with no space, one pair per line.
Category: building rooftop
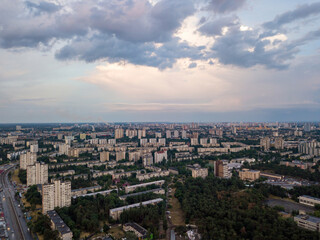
137,227
58,222
309,218
313,198
139,193
136,205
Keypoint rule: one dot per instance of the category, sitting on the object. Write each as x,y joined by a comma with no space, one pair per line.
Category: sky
159,60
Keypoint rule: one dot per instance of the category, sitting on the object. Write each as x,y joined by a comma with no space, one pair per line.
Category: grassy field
117,232
15,177
176,213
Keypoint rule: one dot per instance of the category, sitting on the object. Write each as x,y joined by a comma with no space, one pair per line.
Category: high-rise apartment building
64,149
120,155
265,143
34,148
311,148
112,141
104,156
27,159
168,134
203,141
279,143
160,156
158,134
194,141
141,133
176,134
221,169
56,194
184,134
37,174
118,133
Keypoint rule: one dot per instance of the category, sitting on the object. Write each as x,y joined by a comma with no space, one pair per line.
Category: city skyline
139,61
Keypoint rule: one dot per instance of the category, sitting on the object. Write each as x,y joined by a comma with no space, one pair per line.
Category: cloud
222,89
247,49
114,50
225,6
215,27
301,12
129,20
146,33
138,20
192,65
43,6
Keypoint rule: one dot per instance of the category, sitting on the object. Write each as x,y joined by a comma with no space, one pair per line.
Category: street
16,223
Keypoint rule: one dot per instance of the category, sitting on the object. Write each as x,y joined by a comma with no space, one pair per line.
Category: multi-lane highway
17,226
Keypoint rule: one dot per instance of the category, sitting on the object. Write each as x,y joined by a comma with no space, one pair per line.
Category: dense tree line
147,216
42,225
223,209
33,196
86,213
80,183
22,176
313,191
141,198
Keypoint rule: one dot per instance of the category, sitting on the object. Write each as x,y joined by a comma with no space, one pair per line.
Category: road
12,212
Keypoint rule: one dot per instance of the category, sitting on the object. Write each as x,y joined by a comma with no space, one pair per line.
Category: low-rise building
308,222
308,200
59,225
139,231
199,172
250,175
134,187
116,212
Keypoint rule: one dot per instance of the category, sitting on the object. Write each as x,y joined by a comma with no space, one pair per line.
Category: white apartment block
141,133
175,133
118,133
194,141
143,141
134,156
203,141
158,134
64,149
112,141
183,134
27,159
37,174
160,156
34,148
213,141
120,155
199,172
56,194
168,134
162,141
104,156
103,141
147,159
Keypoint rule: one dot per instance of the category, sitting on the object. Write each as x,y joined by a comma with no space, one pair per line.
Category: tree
106,228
